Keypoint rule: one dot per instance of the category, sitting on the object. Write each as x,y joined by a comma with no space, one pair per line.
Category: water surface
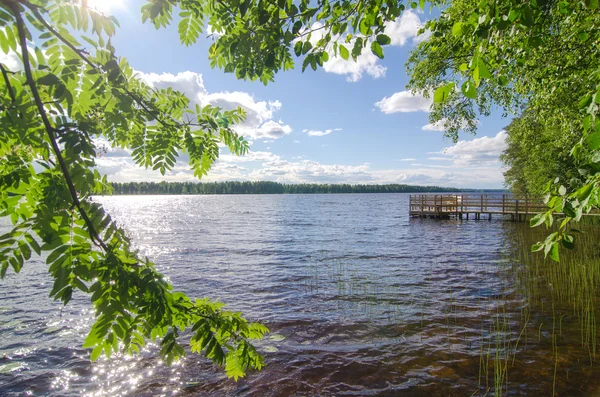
363,300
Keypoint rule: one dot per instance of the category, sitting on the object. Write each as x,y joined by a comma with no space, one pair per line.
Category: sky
348,122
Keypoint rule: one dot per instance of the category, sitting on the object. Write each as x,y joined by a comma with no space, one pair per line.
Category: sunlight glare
106,6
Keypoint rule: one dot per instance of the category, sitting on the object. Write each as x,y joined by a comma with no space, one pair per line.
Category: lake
361,300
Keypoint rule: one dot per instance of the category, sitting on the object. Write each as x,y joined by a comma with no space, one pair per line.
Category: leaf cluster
70,93
257,38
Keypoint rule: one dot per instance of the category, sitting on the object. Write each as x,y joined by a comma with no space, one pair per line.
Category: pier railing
445,205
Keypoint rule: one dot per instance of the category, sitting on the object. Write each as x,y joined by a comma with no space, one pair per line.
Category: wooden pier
475,205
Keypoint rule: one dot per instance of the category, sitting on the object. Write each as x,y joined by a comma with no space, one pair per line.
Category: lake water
361,299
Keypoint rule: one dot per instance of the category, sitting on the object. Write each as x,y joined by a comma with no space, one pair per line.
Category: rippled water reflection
361,301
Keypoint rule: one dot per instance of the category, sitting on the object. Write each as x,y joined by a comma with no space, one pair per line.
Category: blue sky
346,123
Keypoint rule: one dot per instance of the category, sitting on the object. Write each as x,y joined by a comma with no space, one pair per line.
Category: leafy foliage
53,111
537,153
257,38
540,59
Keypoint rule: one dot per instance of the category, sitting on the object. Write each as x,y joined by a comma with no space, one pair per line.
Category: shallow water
362,301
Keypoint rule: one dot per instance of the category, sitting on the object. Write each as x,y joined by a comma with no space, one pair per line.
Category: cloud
404,102
440,125
482,151
400,31
272,129
408,159
404,28
265,165
439,158
11,61
251,156
310,171
319,132
366,62
259,121
437,126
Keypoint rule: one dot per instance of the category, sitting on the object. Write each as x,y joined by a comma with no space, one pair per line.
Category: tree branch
11,91
48,126
81,53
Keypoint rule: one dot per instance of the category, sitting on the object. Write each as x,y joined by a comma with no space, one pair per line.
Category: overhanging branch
48,126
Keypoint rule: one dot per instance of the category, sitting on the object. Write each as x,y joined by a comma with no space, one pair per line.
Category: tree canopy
264,187
539,152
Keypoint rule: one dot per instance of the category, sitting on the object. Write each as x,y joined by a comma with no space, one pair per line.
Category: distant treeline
260,187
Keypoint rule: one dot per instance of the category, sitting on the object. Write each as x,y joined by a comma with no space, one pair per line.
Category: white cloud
400,32
265,165
439,158
251,156
310,171
484,151
408,159
354,70
437,126
440,125
272,129
404,102
259,121
404,28
320,133
365,63
11,61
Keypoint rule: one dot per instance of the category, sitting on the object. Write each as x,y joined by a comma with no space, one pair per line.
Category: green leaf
469,90
562,190
554,252
377,50
568,241
306,47
297,26
344,53
457,29
96,353
442,93
298,48
537,220
537,247
593,140
383,39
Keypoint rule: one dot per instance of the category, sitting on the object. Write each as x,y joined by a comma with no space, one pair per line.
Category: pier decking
476,205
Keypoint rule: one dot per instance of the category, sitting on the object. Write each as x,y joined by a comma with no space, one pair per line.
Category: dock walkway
463,205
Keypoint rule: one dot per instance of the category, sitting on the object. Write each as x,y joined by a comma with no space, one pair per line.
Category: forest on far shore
266,187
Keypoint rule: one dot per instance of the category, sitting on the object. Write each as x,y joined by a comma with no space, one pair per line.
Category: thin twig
11,91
